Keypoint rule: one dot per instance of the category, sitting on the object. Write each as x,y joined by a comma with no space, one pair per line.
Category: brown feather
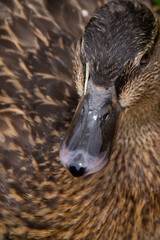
39,199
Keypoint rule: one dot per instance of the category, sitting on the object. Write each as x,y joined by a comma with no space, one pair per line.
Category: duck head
112,66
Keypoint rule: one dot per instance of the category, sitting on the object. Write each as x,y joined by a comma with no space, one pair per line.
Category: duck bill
88,143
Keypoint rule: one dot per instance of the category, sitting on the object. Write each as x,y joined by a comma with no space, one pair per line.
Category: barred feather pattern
38,197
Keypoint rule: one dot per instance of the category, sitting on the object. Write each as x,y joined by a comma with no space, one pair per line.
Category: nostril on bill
76,170
77,166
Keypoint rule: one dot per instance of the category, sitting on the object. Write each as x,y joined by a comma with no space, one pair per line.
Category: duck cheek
88,143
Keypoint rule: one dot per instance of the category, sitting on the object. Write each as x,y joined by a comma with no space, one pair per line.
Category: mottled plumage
39,199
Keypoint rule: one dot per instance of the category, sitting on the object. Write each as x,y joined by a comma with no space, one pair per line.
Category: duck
98,177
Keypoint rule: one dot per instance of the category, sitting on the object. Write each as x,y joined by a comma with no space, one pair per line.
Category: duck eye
146,57
105,116
80,40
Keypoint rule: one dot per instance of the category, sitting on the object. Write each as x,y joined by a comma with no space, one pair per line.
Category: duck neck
137,151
